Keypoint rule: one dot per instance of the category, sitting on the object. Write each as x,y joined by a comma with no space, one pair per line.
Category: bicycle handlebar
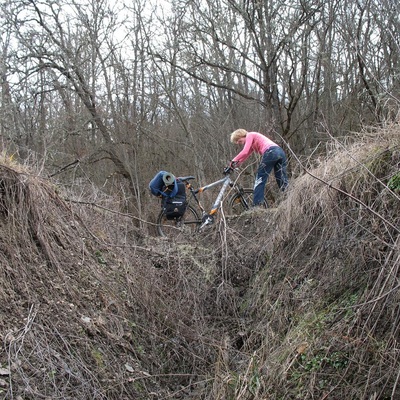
228,170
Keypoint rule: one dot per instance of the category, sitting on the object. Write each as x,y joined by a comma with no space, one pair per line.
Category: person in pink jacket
273,158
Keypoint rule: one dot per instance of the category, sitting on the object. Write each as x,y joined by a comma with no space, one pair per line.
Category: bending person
273,158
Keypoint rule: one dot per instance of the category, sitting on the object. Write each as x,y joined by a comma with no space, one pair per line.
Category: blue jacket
157,185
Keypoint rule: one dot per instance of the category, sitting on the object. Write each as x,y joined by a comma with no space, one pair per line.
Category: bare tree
302,67
136,88
74,53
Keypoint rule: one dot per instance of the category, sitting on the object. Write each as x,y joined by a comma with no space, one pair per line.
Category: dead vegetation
298,302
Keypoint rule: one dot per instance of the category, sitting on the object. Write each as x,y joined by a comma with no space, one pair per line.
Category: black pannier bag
175,207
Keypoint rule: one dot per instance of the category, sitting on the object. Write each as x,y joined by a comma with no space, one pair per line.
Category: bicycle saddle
186,178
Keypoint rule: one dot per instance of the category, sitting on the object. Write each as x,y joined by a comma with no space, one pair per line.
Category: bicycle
191,222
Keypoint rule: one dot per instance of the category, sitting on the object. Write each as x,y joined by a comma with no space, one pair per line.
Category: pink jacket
254,142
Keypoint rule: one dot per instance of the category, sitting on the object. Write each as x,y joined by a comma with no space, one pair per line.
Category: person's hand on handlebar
231,166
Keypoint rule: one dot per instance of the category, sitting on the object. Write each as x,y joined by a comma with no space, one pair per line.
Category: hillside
296,302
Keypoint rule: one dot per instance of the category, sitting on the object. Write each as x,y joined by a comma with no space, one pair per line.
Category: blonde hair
236,135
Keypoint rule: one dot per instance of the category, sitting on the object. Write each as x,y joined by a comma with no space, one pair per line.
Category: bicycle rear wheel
242,201
179,228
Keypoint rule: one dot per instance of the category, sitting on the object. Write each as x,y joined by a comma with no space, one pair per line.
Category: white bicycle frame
208,219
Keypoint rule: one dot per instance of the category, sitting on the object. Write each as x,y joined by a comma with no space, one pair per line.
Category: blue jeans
274,158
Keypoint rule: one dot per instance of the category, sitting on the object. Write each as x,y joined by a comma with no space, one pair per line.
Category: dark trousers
274,158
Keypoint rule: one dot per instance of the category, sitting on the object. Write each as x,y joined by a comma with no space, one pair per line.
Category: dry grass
333,281
299,302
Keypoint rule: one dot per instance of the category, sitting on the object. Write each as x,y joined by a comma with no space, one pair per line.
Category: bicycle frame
208,218
191,219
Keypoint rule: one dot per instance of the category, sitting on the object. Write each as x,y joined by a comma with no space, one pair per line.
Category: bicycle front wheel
242,201
179,228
